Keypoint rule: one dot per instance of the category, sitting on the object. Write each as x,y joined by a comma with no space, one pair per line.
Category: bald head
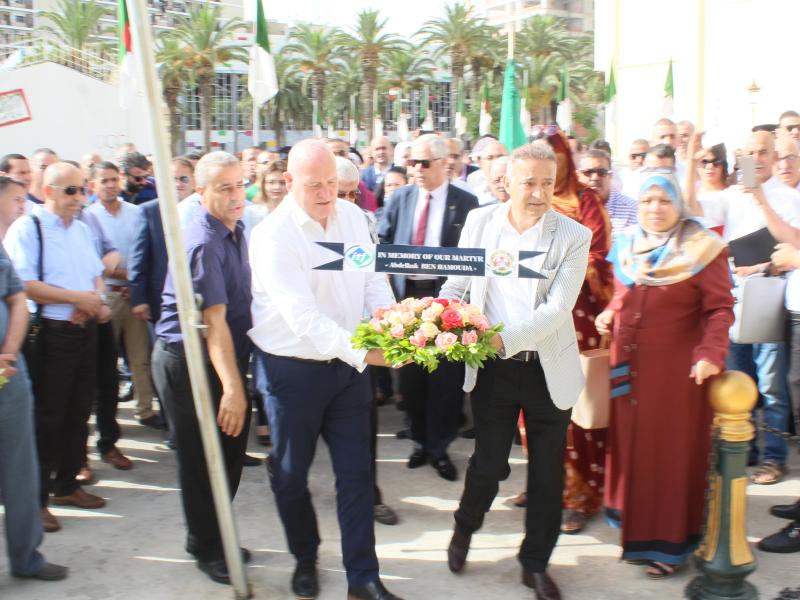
787,163
311,178
381,149
63,190
59,172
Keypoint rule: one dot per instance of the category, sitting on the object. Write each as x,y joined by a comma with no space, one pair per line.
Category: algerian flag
127,68
485,120
262,81
461,115
611,101
511,133
669,94
564,111
425,114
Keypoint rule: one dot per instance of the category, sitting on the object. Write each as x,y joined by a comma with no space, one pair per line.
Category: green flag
262,80
485,121
511,131
669,93
461,113
563,85
127,70
564,111
611,88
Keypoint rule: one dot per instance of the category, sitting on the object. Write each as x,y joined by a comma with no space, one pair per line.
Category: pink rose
429,315
418,339
397,331
479,321
443,301
427,301
451,319
379,312
445,340
377,324
407,318
469,337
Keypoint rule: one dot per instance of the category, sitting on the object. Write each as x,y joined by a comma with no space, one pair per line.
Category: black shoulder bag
33,349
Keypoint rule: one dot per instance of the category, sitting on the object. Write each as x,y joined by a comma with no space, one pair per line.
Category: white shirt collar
438,194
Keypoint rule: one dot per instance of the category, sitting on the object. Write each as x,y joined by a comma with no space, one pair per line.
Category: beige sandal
768,473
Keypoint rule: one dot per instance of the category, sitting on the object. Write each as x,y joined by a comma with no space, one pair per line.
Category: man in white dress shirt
317,385
538,370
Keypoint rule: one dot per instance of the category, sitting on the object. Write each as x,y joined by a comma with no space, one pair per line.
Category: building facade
577,14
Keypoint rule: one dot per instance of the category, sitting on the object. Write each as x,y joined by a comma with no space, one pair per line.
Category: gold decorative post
724,556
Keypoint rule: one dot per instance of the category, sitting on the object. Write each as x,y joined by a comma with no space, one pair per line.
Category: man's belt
526,356
309,361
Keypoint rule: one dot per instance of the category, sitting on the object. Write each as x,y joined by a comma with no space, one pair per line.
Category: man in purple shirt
217,255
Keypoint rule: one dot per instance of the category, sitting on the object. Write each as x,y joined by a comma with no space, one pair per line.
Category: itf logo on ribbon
429,260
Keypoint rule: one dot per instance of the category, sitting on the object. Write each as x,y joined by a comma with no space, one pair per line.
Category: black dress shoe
468,434
216,569
305,584
445,468
417,459
785,541
457,550
47,572
786,511
373,590
541,583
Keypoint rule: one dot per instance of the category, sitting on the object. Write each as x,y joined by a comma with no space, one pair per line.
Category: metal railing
39,50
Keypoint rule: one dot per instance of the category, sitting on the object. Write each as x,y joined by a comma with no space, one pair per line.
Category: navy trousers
306,400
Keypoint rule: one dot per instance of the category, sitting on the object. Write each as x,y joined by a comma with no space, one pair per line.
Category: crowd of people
634,258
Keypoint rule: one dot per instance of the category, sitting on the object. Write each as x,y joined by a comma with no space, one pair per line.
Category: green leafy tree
315,51
406,70
369,43
345,85
174,62
76,23
459,35
205,38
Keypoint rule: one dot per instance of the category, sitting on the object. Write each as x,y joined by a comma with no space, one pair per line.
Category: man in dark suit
430,212
381,149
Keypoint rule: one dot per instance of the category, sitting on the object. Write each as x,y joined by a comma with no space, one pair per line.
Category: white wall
71,113
718,48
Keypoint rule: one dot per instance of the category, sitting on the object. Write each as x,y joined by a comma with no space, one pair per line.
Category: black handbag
33,348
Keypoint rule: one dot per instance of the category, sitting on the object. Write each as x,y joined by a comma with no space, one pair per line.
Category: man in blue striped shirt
595,172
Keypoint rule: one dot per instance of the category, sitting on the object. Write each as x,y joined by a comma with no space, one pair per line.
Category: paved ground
132,549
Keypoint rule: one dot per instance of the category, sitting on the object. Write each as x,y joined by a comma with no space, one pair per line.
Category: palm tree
488,56
369,44
316,51
344,86
75,23
459,35
205,38
174,72
406,70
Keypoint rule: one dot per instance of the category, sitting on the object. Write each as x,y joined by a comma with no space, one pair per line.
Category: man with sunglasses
595,172
631,178
790,123
139,186
71,293
366,199
431,212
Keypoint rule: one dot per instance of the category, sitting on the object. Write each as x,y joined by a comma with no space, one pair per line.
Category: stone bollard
724,556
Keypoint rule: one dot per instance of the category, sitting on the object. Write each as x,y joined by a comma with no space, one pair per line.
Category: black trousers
107,389
171,378
794,366
63,393
503,388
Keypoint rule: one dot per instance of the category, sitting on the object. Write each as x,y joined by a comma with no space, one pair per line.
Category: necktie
422,225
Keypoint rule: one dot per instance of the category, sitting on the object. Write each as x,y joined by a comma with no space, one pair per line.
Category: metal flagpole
256,124
184,294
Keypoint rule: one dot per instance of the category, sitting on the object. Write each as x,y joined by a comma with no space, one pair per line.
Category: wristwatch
104,298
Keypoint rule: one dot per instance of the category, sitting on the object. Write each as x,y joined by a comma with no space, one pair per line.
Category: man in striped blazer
538,369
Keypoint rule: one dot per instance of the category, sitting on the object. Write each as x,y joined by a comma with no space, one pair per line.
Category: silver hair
210,160
345,169
538,150
459,144
434,143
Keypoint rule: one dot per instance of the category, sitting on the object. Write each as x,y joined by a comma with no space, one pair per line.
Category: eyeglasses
638,155
138,178
712,161
540,131
492,156
354,195
182,179
601,172
71,190
791,128
425,163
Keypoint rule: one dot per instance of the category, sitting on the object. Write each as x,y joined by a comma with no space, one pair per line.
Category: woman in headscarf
585,453
670,316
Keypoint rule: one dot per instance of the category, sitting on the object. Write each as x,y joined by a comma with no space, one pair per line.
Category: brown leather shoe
541,583
117,460
80,499
85,476
457,550
49,521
